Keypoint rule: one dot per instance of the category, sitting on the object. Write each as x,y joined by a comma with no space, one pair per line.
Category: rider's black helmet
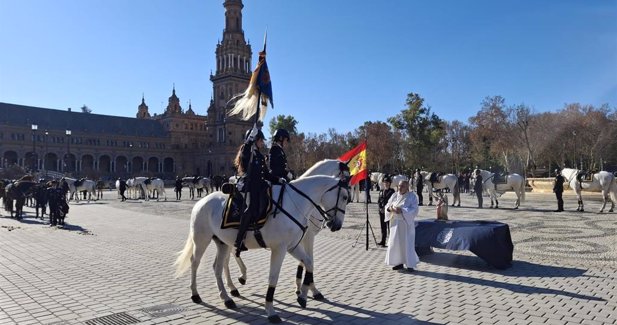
387,178
281,134
260,135
557,170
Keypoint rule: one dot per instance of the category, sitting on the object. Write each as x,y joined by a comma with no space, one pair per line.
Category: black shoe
398,267
381,243
558,210
410,269
420,204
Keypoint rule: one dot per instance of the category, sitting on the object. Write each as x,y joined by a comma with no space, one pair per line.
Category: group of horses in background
495,185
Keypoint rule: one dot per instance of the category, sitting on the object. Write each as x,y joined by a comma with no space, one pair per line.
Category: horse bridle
326,213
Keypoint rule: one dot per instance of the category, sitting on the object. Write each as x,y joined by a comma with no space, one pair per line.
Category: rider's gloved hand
282,180
253,133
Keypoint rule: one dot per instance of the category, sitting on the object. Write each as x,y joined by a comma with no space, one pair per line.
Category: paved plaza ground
112,264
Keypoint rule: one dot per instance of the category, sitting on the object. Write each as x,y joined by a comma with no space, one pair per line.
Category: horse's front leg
300,254
277,255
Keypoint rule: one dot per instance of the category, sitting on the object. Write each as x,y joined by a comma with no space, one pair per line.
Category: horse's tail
183,262
523,187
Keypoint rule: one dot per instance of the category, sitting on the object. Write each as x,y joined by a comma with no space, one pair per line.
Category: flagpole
367,182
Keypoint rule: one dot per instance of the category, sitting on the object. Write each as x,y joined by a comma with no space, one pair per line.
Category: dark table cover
489,240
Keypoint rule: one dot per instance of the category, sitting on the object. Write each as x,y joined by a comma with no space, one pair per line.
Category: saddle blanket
235,206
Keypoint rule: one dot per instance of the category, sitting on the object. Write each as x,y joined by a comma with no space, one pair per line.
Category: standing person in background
558,190
384,195
477,187
419,185
178,188
122,185
402,209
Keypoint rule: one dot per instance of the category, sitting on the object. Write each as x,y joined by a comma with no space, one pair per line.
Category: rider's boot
244,224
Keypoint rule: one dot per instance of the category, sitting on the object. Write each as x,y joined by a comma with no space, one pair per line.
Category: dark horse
17,191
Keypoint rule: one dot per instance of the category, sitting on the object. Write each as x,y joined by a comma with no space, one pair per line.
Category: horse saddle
196,179
434,177
79,182
147,181
236,204
500,178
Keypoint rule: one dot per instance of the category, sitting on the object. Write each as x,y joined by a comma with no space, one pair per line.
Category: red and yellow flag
356,160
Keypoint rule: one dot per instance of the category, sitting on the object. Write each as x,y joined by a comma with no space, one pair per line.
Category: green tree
422,132
286,122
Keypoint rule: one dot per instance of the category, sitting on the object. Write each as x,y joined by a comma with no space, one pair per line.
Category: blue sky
334,64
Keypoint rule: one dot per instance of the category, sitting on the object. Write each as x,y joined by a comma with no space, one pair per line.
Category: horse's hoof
515,208
242,281
582,210
275,319
319,296
230,304
302,302
196,299
235,293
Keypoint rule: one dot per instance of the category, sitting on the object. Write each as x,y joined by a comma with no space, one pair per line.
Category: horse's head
334,201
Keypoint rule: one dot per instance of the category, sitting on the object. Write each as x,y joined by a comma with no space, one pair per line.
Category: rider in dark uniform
384,195
254,173
277,158
558,190
56,198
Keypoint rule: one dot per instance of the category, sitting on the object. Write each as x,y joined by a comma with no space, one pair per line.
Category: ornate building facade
176,142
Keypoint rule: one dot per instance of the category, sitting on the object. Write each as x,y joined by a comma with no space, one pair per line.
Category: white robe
402,241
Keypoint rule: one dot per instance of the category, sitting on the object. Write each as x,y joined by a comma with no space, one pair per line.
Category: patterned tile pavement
113,261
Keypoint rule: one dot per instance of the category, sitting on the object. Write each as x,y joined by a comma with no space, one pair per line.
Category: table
489,240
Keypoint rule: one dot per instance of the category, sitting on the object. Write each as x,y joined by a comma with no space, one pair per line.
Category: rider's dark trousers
559,196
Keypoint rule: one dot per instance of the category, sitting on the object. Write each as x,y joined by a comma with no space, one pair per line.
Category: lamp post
575,153
46,152
129,164
68,150
34,128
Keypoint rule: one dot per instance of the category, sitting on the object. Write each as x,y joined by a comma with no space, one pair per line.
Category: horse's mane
315,169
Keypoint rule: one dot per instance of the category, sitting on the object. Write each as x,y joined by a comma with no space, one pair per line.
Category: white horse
149,185
87,185
397,179
200,184
328,167
281,234
377,178
444,181
601,182
133,188
514,182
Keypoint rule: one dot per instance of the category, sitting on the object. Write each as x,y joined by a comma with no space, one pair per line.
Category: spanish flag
356,160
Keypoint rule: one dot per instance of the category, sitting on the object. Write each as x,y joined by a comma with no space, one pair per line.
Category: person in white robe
402,209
